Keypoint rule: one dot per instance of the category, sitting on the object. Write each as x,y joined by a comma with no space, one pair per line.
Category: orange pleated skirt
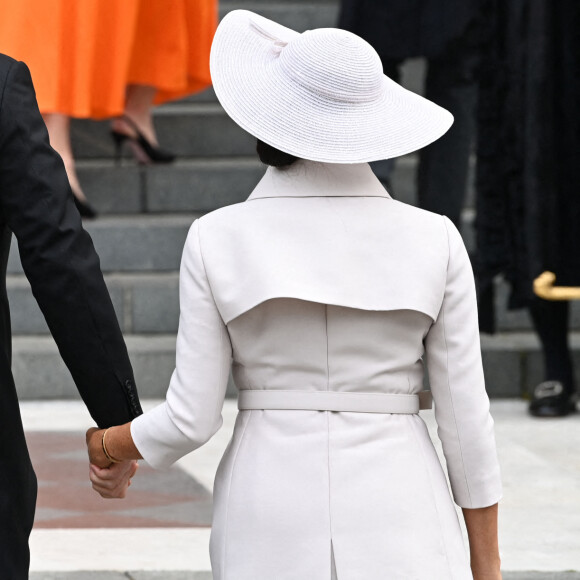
83,53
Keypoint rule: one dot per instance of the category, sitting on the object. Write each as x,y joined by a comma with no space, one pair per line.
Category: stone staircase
145,213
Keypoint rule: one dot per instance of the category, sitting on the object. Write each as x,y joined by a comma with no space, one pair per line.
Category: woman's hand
109,479
113,482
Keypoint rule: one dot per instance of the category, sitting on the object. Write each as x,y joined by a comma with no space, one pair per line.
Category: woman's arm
465,425
481,526
191,413
112,478
117,442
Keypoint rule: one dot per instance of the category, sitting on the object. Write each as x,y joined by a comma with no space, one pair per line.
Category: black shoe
85,208
550,399
144,152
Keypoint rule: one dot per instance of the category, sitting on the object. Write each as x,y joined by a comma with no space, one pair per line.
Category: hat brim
260,98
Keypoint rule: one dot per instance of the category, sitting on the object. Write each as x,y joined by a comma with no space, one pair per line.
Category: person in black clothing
58,257
445,32
528,186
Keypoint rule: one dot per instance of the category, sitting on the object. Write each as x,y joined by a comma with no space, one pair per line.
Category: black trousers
444,165
17,483
551,323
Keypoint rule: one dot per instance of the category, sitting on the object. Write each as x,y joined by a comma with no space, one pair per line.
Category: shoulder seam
203,265
447,366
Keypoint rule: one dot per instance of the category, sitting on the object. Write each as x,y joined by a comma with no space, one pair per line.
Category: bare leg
138,105
58,126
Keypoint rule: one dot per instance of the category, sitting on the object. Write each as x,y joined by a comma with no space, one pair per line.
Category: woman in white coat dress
323,295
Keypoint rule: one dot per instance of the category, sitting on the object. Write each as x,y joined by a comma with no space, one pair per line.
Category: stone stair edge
505,341
166,219
198,184
133,243
153,241
510,371
229,162
135,342
20,280
287,8
40,373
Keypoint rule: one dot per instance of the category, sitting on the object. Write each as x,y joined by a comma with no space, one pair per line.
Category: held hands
110,479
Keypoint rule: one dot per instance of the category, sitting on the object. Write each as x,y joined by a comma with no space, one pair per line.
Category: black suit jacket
59,259
400,29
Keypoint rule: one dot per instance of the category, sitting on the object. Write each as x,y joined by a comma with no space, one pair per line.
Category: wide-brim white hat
320,95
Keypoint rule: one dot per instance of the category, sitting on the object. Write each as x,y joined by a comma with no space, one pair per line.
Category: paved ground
185,575
161,531
129,576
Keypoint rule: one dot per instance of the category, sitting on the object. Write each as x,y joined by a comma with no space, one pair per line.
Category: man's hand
94,439
112,482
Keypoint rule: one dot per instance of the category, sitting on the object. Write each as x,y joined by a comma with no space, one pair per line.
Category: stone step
199,185
144,303
136,243
40,373
203,185
154,242
187,129
299,15
512,364
148,303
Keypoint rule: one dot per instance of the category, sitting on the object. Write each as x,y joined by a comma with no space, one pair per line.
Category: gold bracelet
107,455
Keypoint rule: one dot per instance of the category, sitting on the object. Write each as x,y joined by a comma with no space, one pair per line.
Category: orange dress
83,53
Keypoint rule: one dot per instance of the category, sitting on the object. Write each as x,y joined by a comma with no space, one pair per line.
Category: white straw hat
320,95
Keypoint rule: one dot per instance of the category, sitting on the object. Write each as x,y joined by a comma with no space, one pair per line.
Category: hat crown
335,64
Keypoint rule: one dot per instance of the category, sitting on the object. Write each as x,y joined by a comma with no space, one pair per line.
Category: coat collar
313,179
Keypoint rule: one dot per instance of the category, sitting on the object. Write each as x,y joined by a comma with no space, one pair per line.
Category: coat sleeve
465,426
58,256
191,413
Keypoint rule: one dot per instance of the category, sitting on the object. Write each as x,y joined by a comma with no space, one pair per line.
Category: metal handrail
544,288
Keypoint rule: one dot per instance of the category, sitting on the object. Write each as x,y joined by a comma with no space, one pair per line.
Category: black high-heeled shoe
144,152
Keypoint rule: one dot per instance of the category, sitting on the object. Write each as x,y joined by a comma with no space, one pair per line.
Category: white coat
322,282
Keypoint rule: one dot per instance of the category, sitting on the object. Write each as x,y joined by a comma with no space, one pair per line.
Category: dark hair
274,157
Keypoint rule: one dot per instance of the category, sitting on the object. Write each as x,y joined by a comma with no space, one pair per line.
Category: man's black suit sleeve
59,258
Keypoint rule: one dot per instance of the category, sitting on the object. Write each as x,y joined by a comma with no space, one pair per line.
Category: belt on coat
339,401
